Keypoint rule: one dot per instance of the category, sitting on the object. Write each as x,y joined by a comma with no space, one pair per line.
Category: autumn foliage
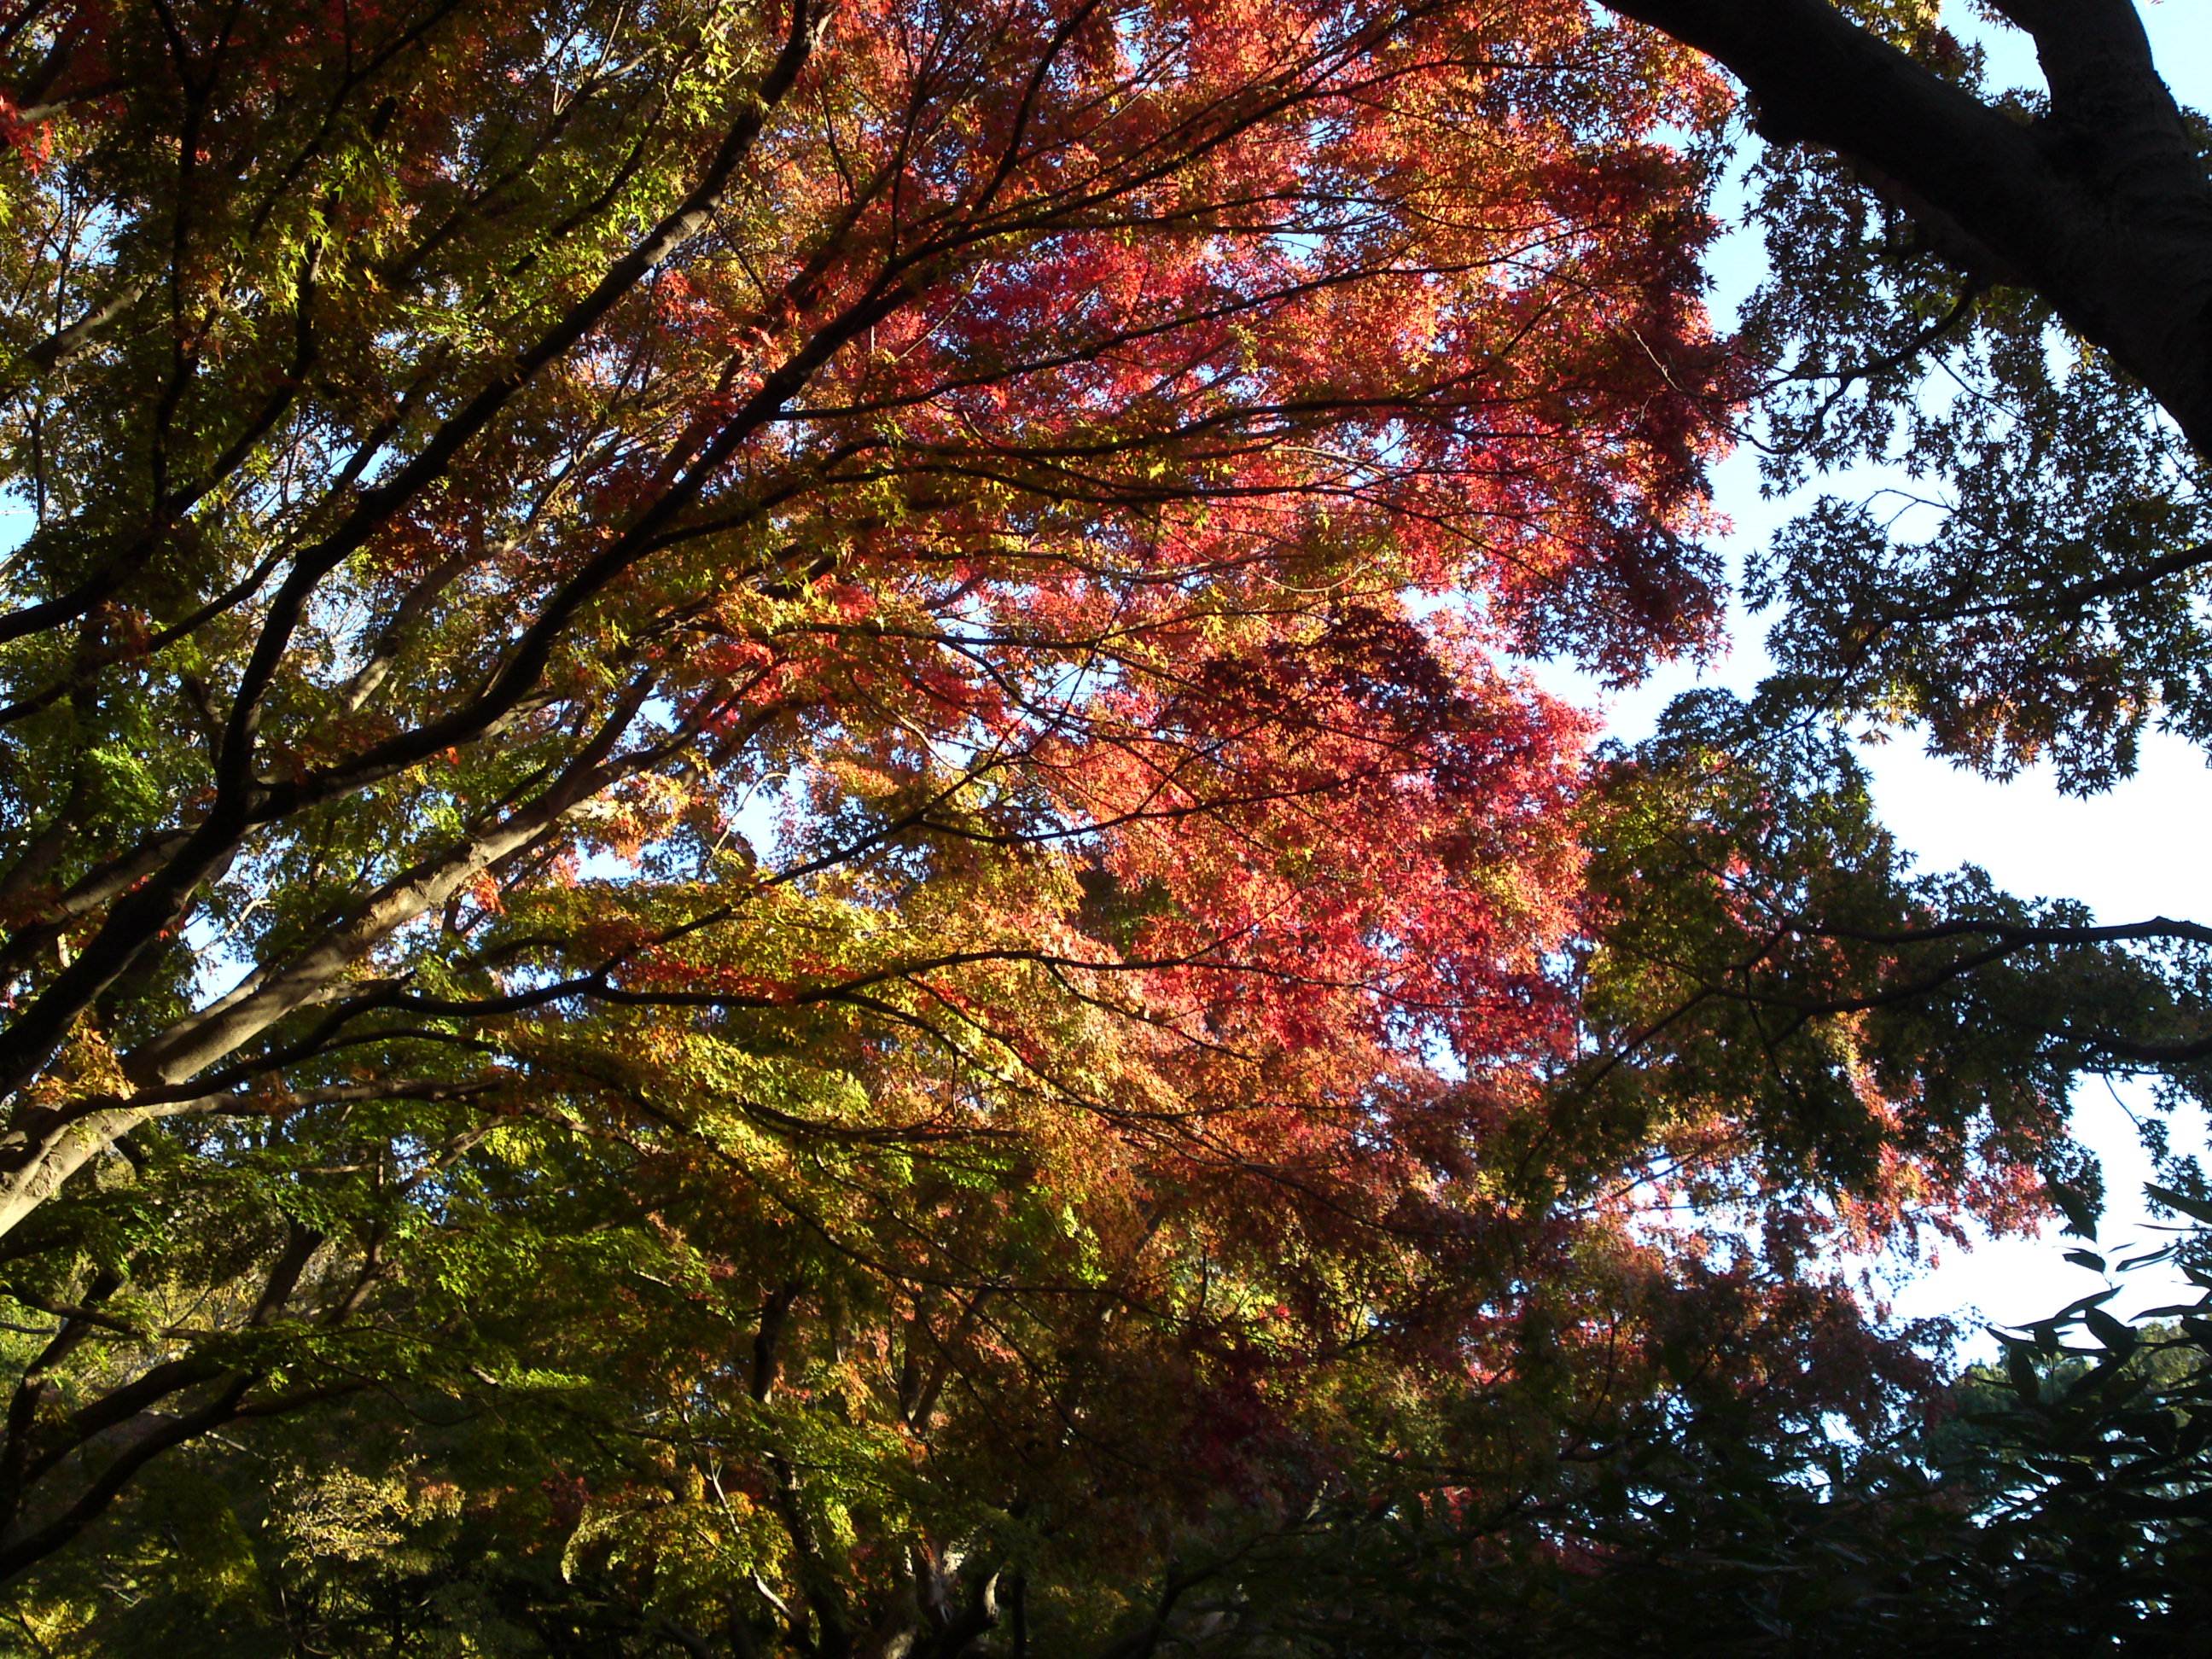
774,752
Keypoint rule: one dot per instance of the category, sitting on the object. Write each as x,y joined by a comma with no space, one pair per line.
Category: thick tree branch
2103,209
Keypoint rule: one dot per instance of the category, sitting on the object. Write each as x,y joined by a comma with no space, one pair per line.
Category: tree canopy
778,875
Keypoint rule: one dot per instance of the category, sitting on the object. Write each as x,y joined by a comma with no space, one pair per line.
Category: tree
1987,297
772,881
2049,251
682,657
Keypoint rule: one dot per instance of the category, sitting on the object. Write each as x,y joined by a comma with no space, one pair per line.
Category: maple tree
769,755
690,650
